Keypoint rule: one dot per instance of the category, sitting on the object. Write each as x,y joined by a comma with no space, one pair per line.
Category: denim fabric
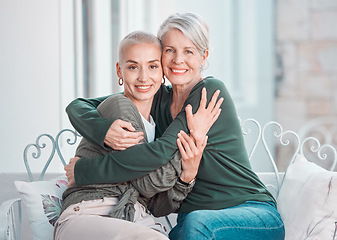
251,220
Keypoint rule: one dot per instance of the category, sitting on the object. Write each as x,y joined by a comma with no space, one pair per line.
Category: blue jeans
251,220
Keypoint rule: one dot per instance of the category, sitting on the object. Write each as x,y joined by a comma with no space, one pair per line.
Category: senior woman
228,201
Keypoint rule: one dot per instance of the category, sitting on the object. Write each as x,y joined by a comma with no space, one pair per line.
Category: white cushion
307,201
43,201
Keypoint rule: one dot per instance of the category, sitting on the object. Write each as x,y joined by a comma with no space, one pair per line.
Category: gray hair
136,37
191,25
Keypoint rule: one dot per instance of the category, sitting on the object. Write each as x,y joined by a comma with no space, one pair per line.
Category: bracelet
186,183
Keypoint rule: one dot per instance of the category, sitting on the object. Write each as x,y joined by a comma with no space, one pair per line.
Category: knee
196,226
196,219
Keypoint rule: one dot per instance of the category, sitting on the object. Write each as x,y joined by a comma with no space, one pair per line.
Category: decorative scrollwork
69,141
36,155
246,131
316,147
282,135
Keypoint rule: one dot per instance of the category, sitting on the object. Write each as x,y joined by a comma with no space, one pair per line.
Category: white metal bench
322,128
268,137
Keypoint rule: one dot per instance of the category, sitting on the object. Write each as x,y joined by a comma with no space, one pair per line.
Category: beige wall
306,41
306,44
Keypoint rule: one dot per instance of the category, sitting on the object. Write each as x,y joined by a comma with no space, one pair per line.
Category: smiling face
181,60
141,70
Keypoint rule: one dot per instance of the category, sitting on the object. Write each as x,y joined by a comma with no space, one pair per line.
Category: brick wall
306,41
306,45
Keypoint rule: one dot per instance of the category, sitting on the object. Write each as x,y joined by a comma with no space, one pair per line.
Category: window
241,42
241,54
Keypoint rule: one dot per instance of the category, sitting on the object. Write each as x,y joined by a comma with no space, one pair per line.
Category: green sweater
225,177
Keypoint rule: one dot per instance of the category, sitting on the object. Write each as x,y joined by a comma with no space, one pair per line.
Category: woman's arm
111,132
162,204
87,121
165,187
184,166
141,159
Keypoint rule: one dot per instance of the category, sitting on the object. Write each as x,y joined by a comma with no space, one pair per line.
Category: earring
163,81
120,81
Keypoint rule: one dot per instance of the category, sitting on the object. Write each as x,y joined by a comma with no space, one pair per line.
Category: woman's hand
69,168
121,135
200,122
191,153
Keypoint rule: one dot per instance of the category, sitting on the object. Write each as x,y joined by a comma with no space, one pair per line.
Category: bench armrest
10,219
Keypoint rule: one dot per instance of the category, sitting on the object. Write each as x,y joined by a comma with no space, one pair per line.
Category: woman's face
140,68
181,60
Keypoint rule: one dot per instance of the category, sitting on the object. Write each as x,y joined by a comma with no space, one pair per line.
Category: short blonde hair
136,37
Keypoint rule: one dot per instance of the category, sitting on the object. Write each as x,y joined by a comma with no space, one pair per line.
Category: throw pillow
43,201
307,201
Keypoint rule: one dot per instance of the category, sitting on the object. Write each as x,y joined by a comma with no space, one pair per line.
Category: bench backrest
55,150
268,138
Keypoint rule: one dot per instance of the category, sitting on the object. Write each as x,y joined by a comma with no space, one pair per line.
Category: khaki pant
88,220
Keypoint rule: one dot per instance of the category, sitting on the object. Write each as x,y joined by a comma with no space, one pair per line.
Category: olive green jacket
159,191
